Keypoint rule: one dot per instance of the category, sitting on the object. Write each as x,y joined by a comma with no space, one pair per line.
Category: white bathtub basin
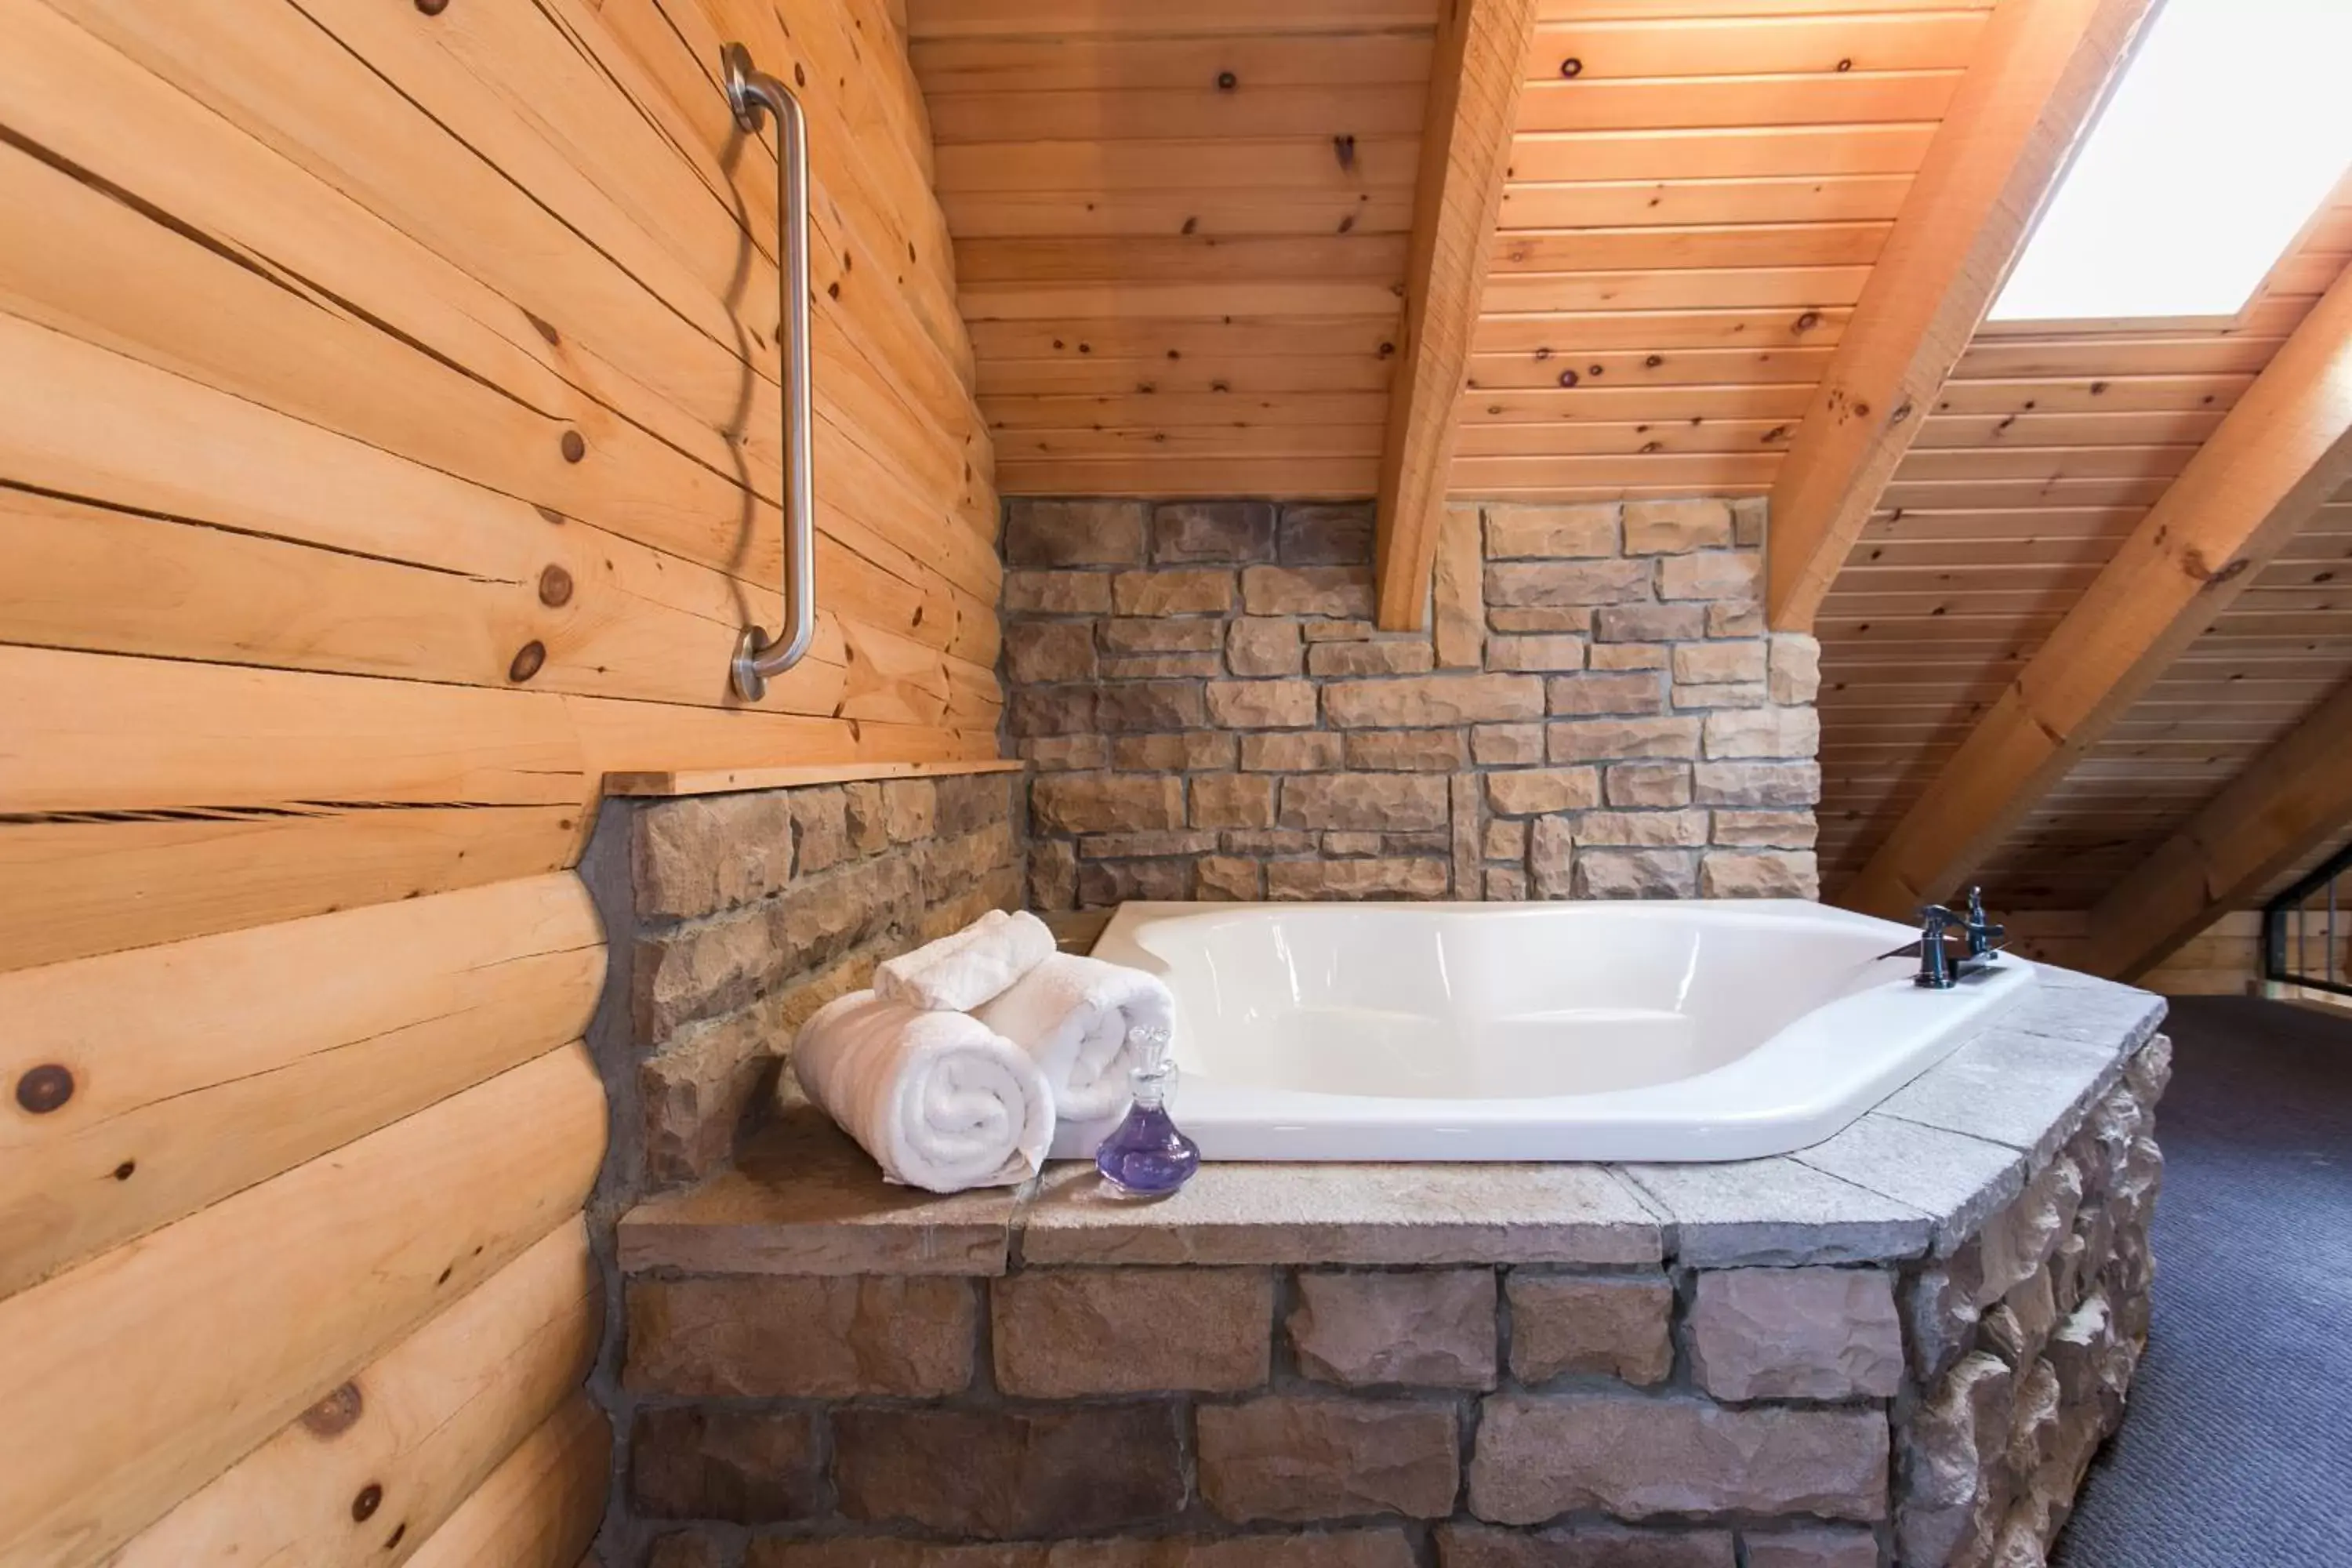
1560,1031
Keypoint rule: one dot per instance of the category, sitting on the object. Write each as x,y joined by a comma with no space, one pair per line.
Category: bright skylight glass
2231,126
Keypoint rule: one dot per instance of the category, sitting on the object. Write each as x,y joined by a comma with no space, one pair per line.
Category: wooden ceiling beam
2040,73
2284,451
2288,802
1465,146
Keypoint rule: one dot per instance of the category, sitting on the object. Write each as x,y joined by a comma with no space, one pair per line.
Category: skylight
2231,126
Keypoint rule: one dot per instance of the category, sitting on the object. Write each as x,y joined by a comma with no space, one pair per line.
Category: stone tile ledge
1913,1178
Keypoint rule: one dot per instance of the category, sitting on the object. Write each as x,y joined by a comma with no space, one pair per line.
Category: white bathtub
1555,1031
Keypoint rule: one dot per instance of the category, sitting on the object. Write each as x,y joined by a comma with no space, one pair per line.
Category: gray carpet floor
2236,1451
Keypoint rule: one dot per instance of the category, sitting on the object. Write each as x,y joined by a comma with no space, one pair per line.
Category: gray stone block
2030,1091
1777,1211
1957,1181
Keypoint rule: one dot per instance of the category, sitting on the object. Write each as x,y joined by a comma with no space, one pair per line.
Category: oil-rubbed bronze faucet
1981,945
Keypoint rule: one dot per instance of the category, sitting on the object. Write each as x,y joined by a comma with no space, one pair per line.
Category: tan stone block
1301,1459
1258,647
1073,533
1504,886
1153,633
1314,753
1233,800
1336,591
1432,700
1628,656
1634,1457
1457,592
869,829
1227,877
1371,802
1058,1470
1631,692
1070,1334
1796,1333
1555,651
1351,843
1388,655
1583,1546
1387,1548
1735,574
1058,593
1134,706
1615,740
1052,875
1695,698
1817,1548
1736,618
1049,650
1518,531
1792,733
1213,531
1103,882
1568,582
801,1336
1162,667
1031,710
1551,857
1759,873
1767,829
1407,751
1646,829
1384,878
1325,533
1719,663
1187,751
1606,1325
1507,745
1955,1484
1676,527
678,1549
1748,519
1635,874
695,1090
1262,704
1532,792
1430,1328
1506,840
1104,803
1649,784
748,1466
1345,629
1796,670
1758,783
820,830
1540,620
1166,593
1649,623
1267,841
1140,846
706,853
701,971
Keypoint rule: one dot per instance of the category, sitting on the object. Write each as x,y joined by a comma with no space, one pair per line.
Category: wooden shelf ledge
723,780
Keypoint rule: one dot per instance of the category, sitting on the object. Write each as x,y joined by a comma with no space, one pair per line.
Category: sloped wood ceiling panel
2045,452
1181,233
1698,190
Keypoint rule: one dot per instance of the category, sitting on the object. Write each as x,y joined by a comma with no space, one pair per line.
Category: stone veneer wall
734,916
1596,711
1261,1387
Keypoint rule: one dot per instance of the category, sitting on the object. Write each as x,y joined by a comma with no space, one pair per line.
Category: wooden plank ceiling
2045,452
1698,190
1180,233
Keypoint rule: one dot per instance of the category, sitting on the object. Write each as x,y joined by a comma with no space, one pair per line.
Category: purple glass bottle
1146,1156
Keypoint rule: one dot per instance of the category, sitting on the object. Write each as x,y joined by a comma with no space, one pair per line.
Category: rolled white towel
939,1100
957,972
1073,1015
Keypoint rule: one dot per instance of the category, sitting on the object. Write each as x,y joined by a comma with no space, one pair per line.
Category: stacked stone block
751,911
1251,1382
1596,711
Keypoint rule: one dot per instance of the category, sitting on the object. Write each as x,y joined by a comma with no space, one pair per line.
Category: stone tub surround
1899,1347
1597,710
740,914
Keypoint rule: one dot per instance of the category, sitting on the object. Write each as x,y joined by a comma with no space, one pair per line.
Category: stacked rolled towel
1073,1015
957,973
939,1100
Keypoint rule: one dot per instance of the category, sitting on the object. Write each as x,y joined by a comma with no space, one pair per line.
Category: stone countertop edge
1911,1178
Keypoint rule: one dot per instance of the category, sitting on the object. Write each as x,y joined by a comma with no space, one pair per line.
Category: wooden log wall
388,452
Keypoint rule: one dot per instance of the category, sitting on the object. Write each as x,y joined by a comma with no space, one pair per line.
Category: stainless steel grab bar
750,91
